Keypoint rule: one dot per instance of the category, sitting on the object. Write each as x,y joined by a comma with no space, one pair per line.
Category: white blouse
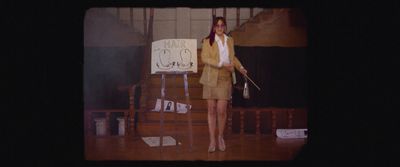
223,50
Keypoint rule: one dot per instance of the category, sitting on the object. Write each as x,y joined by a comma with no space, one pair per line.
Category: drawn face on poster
174,55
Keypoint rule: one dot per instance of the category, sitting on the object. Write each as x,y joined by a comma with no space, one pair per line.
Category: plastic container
121,126
100,126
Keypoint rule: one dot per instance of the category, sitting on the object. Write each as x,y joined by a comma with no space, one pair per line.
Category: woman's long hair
211,36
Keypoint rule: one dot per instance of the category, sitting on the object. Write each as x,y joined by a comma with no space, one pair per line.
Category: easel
189,117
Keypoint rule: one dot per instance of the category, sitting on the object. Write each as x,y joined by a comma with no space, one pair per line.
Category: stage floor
246,147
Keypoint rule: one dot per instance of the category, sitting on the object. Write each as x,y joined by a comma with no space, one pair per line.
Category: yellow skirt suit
217,81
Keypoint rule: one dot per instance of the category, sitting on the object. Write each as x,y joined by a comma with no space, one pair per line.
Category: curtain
280,72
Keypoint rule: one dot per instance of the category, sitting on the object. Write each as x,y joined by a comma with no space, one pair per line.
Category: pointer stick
253,82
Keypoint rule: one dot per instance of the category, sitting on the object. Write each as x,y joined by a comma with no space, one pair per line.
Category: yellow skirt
223,90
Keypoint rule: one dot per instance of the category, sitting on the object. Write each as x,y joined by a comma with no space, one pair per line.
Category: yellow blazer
210,57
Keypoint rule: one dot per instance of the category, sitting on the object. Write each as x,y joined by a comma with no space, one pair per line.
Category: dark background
351,72
107,68
280,72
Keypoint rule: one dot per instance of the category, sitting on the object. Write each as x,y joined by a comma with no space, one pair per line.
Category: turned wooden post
131,109
88,121
241,122
290,117
230,113
107,123
258,131
273,113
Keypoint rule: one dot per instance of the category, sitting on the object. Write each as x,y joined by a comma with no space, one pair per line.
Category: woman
219,58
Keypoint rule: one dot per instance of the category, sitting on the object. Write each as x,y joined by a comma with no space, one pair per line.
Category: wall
179,22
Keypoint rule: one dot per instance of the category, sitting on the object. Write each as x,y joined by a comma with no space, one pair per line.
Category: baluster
131,109
258,122
273,113
290,117
241,122
107,123
230,113
88,117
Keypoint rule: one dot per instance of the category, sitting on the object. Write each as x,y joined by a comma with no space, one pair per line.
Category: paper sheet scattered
291,133
169,106
155,141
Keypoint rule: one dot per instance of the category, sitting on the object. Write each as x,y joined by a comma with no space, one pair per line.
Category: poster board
174,55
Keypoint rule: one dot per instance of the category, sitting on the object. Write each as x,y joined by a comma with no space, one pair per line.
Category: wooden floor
238,147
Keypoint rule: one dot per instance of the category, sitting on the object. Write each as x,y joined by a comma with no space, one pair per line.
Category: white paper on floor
291,133
155,141
169,106
182,108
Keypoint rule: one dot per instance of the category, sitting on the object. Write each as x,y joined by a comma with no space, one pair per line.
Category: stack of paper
169,106
155,141
291,133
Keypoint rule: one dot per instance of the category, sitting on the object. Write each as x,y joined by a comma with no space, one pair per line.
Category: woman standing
219,58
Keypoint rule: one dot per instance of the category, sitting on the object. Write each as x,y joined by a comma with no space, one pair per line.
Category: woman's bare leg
221,109
212,118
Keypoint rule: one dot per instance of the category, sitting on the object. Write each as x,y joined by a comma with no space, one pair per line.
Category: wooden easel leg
162,110
176,135
188,111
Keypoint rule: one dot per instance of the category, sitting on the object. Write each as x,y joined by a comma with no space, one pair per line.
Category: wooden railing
287,112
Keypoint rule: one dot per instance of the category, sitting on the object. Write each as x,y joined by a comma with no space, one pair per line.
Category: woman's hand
229,67
243,71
